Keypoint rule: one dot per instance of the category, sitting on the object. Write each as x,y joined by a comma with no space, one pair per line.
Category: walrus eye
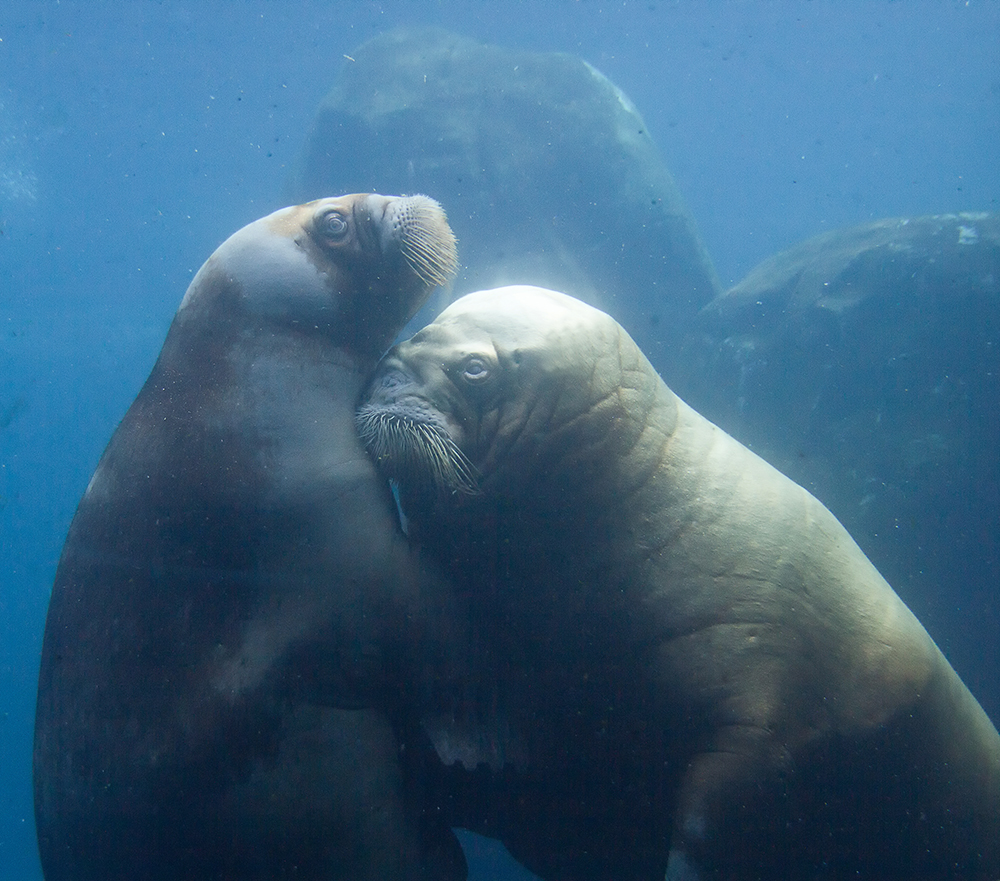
475,370
332,226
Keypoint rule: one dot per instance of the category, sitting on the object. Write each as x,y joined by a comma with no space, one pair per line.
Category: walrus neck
601,509
217,330
614,449
618,456
217,311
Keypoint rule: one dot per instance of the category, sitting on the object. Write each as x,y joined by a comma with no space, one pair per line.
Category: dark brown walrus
235,580
679,661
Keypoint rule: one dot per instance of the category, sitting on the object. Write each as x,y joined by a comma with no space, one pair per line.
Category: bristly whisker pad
412,450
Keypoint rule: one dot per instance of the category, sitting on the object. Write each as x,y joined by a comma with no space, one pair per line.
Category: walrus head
506,387
350,269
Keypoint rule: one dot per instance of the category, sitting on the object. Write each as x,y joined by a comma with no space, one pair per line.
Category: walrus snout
409,438
389,382
419,228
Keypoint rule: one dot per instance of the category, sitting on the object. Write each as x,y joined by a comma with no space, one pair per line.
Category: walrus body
219,646
679,661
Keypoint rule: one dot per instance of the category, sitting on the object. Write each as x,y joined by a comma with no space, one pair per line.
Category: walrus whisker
428,273
450,466
406,447
427,243
428,246
427,259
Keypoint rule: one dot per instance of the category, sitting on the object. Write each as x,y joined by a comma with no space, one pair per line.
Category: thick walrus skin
219,671
679,662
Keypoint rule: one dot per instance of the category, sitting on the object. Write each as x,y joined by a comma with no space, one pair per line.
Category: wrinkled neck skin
546,557
559,484
619,526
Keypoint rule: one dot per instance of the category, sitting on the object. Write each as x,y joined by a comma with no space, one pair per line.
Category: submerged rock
545,167
865,364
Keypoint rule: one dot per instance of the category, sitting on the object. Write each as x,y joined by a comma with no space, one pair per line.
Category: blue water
134,137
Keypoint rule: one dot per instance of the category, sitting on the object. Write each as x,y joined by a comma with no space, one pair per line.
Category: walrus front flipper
915,797
717,800
336,798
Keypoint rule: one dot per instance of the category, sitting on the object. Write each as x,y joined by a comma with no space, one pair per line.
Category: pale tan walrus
679,661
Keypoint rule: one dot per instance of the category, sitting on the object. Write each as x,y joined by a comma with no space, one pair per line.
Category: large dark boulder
865,364
545,167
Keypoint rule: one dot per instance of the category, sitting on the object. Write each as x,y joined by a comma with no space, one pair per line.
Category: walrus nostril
391,381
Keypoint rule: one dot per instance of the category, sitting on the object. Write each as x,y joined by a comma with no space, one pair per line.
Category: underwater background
135,137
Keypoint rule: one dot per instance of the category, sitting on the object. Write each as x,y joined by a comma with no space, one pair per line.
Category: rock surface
544,166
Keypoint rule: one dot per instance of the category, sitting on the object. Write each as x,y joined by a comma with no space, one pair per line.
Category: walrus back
870,710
